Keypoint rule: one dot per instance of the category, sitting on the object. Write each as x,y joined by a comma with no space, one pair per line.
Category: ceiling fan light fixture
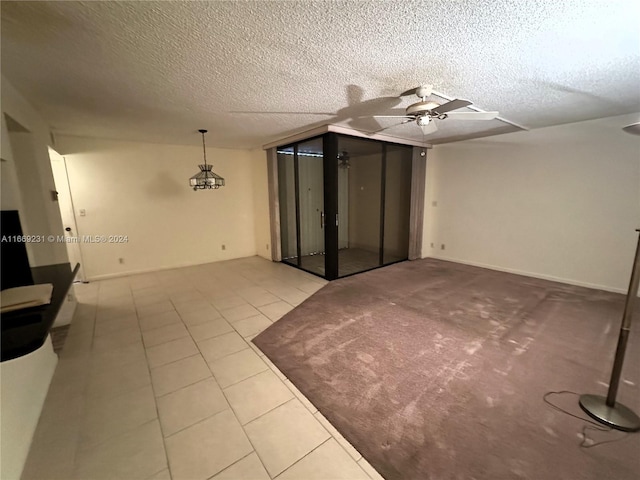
205,178
420,107
423,121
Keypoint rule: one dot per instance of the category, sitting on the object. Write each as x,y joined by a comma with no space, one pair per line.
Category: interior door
65,203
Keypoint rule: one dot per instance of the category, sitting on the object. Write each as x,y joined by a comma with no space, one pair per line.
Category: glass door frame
330,171
296,174
330,151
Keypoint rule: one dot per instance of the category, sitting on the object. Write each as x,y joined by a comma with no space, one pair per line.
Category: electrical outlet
432,245
83,212
224,247
121,260
442,247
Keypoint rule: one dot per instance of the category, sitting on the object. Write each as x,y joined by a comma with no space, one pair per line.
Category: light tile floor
158,379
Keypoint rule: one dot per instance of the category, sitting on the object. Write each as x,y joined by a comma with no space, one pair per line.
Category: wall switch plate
224,247
82,212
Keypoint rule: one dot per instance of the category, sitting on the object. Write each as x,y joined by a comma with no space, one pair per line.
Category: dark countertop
24,331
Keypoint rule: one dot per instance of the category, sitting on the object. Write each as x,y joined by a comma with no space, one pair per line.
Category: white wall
561,202
27,181
141,191
9,191
25,381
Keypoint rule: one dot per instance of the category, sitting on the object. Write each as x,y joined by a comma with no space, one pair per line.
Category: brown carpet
436,370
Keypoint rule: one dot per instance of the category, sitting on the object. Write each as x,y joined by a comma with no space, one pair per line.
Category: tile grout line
185,386
229,466
246,378
235,415
155,401
282,282
86,396
305,455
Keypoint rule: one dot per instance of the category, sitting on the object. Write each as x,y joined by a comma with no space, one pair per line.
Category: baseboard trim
531,274
128,273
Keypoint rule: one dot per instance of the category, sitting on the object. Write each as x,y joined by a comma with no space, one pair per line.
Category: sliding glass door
311,196
301,196
344,204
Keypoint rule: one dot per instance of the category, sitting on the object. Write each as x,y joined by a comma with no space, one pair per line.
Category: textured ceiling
158,71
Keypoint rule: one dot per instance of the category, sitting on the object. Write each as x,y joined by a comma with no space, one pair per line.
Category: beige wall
560,202
261,203
141,191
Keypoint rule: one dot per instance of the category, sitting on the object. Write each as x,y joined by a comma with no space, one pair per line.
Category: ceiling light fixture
205,178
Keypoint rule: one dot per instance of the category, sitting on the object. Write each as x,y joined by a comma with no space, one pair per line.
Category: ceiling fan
426,112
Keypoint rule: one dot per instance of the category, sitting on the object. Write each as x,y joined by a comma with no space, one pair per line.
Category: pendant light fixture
205,178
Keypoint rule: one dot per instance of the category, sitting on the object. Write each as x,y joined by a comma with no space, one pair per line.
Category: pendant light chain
204,150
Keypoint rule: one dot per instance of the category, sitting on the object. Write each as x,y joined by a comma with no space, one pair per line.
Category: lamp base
618,416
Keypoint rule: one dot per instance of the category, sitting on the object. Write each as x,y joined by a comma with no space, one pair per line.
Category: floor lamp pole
606,410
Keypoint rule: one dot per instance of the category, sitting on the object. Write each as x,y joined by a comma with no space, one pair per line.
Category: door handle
68,229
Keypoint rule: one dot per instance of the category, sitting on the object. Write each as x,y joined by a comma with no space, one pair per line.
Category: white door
65,203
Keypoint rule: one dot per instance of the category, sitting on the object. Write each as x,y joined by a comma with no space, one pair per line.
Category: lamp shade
205,178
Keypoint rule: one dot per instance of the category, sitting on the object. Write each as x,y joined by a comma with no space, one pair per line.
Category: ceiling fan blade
393,116
452,105
472,115
429,128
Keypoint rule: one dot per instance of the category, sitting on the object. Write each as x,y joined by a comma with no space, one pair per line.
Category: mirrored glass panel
287,200
348,213
397,203
359,204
